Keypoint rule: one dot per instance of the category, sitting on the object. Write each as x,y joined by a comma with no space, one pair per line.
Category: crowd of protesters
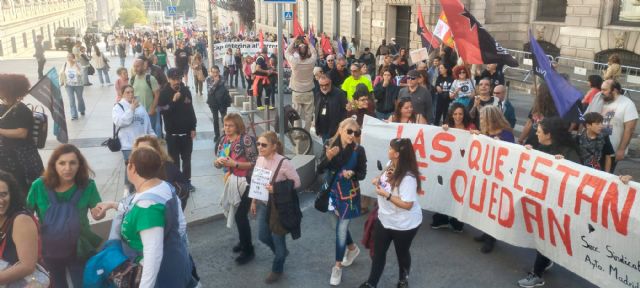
331,91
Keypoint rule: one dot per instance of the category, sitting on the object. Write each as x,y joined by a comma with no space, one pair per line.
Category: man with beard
330,109
302,60
179,118
620,117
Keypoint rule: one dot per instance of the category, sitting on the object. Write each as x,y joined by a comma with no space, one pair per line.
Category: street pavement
440,258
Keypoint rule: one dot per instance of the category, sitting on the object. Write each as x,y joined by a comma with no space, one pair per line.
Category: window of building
551,10
626,13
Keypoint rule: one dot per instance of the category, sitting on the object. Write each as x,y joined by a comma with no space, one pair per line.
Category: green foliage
246,9
132,4
132,15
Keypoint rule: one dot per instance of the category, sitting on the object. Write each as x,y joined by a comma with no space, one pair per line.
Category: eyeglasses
412,78
325,85
463,72
354,70
357,133
263,145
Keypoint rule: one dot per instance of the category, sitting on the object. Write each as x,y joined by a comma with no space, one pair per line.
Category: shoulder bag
113,143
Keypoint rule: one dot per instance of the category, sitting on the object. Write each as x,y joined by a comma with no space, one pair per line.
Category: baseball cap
174,73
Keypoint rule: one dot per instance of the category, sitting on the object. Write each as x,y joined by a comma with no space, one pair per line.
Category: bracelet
389,197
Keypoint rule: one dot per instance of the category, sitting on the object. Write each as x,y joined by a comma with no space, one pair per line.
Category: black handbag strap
115,132
275,175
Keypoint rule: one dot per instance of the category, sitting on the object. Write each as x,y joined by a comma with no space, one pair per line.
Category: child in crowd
123,79
594,148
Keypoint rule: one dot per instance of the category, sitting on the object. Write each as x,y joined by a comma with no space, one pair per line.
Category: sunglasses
463,72
263,145
357,133
355,70
412,78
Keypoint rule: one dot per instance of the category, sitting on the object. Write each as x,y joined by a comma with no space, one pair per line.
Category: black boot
488,245
245,256
237,248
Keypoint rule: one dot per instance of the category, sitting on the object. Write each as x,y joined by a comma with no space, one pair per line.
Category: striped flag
443,31
47,92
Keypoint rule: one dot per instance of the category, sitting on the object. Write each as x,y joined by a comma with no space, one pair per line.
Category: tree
245,8
132,15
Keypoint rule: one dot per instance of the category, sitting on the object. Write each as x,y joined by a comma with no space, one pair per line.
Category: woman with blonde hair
346,164
494,125
270,230
171,172
237,154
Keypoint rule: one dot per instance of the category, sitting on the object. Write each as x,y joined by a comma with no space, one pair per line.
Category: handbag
91,70
127,275
113,143
322,197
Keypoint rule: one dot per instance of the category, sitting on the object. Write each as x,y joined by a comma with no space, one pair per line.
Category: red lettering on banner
510,219
520,170
529,216
502,152
542,177
399,131
454,190
437,145
597,184
568,172
492,199
564,231
418,144
610,203
479,206
475,147
487,170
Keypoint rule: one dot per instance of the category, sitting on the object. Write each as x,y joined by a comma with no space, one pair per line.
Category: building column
336,19
319,15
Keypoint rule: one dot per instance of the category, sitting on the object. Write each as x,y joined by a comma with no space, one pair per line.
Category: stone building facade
586,29
222,19
22,20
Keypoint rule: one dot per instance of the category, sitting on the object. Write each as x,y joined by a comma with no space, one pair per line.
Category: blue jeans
277,243
58,272
156,124
343,237
106,75
77,90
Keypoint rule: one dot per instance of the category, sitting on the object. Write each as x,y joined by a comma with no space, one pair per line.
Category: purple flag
564,94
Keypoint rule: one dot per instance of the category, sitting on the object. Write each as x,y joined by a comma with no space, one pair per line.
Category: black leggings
541,263
442,108
242,222
382,238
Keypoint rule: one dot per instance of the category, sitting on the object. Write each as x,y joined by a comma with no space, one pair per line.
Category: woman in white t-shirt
74,85
399,213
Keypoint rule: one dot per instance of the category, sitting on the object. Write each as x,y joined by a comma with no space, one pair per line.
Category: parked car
65,37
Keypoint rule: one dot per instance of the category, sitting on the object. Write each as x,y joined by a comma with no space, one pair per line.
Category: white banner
247,48
583,219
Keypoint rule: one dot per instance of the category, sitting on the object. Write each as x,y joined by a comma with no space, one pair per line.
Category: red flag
261,37
428,40
475,45
297,29
325,43
443,31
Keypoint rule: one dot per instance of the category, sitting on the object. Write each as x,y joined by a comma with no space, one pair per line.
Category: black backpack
147,78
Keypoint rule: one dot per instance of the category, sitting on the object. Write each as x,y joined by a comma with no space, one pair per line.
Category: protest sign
583,219
419,55
247,48
259,181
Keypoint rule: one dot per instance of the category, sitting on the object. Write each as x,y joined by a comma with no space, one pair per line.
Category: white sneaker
336,276
349,256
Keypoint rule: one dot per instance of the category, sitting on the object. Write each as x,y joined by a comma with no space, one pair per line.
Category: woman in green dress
66,181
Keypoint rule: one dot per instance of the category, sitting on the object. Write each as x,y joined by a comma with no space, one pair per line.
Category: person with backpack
61,199
236,155
147,89
131,121
18,152
20,242
153,227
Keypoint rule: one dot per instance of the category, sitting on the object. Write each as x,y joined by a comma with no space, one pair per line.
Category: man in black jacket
386,94
176,106
330,110
218,99
40,56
